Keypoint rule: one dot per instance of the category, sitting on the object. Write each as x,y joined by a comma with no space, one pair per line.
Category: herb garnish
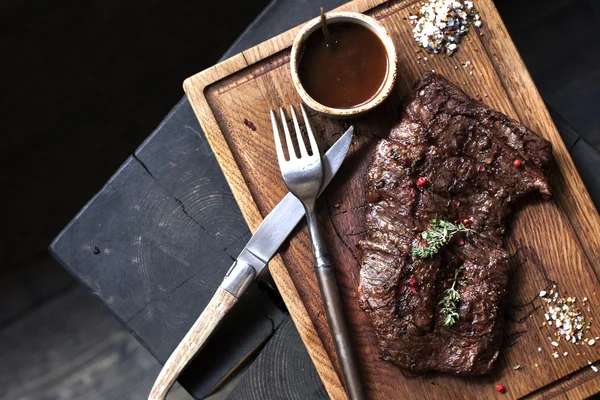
450,302
438,236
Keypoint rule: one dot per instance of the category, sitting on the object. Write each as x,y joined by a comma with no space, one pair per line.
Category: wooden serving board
556,240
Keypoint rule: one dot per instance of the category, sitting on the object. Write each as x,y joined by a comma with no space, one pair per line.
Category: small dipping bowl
314,27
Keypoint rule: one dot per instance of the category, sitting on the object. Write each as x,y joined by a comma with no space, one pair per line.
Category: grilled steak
466,154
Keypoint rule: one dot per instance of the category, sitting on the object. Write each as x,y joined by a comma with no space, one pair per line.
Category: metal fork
303,175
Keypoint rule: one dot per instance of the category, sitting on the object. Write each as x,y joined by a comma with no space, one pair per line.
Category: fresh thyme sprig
437,237
450,302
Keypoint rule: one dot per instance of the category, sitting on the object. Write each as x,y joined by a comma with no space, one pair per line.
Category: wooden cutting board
556,241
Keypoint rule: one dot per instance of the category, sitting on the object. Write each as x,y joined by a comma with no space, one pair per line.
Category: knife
263,245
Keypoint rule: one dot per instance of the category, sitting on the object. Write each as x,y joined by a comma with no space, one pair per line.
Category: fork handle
335,313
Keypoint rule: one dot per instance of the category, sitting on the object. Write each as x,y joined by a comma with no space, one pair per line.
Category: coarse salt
440,24
569,321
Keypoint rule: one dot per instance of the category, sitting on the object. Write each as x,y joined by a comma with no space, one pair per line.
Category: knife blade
265,242
277,226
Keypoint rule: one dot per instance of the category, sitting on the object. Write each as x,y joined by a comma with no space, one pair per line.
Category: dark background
84,83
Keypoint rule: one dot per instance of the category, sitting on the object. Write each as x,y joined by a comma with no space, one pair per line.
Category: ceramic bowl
360,19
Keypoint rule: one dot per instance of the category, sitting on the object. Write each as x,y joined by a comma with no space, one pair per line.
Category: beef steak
465,152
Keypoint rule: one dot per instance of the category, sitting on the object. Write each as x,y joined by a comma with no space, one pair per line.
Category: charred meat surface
449,158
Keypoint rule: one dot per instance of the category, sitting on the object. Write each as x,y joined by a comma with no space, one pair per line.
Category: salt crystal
555,355
593,367
554,344
539,349
435,27
592,342
542,293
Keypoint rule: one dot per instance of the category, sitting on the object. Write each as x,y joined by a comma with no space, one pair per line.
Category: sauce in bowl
350,73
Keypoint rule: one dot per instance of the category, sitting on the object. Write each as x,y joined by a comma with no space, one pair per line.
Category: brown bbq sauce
351,73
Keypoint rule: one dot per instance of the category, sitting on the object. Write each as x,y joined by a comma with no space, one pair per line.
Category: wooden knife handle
193,341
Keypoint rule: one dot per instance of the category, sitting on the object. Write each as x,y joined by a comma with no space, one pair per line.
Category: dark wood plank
565,66
24,289
156,242
73,349
282,371
88,82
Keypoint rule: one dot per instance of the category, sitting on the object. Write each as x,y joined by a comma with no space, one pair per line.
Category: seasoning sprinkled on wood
561,313
440,24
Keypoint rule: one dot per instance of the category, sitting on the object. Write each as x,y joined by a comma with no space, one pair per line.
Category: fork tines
299,139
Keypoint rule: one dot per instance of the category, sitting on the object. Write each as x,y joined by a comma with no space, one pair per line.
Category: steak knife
263,245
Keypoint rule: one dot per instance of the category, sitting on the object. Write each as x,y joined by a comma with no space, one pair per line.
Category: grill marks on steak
448,138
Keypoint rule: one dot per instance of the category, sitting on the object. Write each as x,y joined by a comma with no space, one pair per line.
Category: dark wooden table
155,242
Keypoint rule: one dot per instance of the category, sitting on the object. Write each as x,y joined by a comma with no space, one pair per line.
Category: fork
302,176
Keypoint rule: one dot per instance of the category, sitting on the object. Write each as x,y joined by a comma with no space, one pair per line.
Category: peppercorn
517,162
412,282
414,291
500,388
421,181
466,222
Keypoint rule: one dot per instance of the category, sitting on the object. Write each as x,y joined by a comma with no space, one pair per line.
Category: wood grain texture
72,348
282,371
557,240
192,342
156,242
